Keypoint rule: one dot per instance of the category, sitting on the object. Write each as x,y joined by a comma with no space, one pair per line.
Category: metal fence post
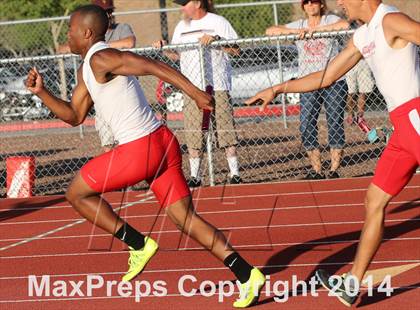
264,133
276,17
209,145
282,96
81,129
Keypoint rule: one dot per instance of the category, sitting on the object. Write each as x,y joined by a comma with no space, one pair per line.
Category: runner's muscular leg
375,203
182,213
92,206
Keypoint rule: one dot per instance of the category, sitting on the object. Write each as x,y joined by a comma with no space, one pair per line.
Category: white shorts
360,79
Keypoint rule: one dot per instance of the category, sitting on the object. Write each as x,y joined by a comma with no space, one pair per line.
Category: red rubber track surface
286,229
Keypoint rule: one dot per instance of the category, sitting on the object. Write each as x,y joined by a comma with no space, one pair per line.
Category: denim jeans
334,100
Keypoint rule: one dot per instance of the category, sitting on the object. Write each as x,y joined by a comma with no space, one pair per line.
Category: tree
253,20
30,39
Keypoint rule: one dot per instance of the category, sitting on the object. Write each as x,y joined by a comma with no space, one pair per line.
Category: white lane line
235,197
266,246
95,236
21,209
40,237
298,265
222,228
53,231
265,226
347,205
68,206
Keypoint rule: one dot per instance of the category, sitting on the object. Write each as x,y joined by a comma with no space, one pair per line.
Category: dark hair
100,18
323,10
207,5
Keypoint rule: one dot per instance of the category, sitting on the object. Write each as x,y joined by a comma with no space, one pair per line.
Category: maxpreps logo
369,50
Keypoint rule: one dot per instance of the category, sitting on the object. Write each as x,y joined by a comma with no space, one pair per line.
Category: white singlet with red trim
120,102
396,71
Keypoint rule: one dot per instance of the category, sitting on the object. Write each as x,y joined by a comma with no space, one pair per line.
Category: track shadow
25,207
279,261
259,141
366,300
61,167
407,206
347,161
265,141
56,187
54,169
273,161
358,158
35,153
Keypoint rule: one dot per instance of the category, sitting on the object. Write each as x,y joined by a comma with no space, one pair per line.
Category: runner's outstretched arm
112,61
398,26
73,112
339,66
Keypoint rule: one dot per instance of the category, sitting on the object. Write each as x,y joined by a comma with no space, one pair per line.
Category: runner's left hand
34,82
264,97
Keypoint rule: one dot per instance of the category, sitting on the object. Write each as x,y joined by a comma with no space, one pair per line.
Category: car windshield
266,55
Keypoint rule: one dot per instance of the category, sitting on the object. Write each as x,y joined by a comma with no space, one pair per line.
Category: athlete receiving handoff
387,41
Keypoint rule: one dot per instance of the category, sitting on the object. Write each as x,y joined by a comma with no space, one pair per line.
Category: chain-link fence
44,36
271,145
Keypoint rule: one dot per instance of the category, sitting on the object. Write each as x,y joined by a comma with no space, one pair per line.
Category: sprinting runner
147,150
388,42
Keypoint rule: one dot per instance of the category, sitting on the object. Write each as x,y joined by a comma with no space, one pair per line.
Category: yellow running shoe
250,290
139,258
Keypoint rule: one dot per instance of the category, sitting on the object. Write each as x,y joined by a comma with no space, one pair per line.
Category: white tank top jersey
396,71
120,102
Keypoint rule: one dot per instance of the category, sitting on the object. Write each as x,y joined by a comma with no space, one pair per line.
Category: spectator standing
314,55
201,25
360,83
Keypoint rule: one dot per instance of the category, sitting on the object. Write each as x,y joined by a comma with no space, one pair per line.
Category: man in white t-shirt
314,55
201,25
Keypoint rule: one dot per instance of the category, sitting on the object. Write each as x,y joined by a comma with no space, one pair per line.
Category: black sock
130,236
238,266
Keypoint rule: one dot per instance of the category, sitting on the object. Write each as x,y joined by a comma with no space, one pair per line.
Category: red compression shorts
401,156
155,158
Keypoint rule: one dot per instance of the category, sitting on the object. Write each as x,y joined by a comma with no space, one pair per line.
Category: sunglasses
305,2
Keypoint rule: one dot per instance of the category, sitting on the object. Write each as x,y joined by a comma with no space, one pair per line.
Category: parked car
16,102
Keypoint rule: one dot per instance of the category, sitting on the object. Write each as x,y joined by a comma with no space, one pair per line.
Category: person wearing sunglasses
118,35
314,55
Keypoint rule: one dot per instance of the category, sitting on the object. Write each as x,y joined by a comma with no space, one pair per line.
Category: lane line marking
218,212
300,265
268,245
235,227
247,196
61,228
